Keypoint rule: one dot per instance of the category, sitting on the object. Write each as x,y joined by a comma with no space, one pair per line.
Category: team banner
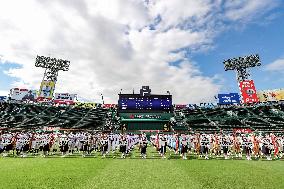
248,92
201,105
45,128
180,106
86,104
46,89
146,116
30,96
19,94
109,105
227,99
271,95
64,98
242,130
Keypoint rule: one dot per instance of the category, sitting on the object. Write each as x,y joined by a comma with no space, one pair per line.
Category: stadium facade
249,110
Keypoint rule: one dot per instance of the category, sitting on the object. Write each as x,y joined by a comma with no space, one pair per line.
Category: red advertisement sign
109,105
242,130
180,106
248,92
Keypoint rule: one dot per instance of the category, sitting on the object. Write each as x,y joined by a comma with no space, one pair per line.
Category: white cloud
247,9
114,44
276,66
175,12
4,93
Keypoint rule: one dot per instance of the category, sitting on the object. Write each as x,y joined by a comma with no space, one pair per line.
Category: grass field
77,172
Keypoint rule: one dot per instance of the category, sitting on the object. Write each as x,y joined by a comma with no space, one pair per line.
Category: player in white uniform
111,146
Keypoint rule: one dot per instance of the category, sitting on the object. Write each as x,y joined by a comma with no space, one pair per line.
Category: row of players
203,145
22,143
218,144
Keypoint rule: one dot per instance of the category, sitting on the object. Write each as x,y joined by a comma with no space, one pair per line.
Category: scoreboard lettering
136,102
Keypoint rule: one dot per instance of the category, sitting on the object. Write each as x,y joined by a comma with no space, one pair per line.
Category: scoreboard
149,103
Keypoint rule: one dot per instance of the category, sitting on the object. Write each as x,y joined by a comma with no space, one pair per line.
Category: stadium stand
20,115
179,123
257,117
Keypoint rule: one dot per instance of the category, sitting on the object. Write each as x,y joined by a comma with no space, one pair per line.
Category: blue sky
120,44
5,80
255,38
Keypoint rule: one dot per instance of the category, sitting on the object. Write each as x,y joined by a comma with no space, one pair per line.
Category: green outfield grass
133,172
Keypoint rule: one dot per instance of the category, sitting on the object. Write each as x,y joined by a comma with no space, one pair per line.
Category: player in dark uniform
25,145
85,145
7,143
184,147
225,146
122,146
104,145
46,145
143,146
163,146
63,144
247,147
205,143
266,147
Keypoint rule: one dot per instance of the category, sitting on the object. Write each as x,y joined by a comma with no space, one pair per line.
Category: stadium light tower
52,67
241,65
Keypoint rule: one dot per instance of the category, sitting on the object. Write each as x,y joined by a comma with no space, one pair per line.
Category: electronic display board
136,102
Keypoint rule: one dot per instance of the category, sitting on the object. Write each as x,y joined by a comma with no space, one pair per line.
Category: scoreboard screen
136,102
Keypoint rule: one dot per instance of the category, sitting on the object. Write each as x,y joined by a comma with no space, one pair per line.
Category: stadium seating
257,117
267,117
19,115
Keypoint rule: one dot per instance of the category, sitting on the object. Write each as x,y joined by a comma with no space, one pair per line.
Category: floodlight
242,65
52,63
52,67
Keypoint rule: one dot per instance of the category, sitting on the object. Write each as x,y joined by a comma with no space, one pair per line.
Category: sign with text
248,92
271,95
19,94
86,104
64,98
227,99
3,98
240,130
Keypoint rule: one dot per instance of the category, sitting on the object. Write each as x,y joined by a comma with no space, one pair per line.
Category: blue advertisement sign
3,98
227,99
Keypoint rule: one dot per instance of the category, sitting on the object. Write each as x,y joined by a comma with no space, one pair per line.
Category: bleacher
21,115
258,117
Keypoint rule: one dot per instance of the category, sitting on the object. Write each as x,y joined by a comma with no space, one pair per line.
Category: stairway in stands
179,124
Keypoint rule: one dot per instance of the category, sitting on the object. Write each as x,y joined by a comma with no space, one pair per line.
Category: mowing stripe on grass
142,174
134,172
48,172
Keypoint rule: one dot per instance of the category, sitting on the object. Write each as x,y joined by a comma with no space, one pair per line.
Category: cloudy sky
175,45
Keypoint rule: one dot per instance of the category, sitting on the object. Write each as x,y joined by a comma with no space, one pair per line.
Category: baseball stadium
51,136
